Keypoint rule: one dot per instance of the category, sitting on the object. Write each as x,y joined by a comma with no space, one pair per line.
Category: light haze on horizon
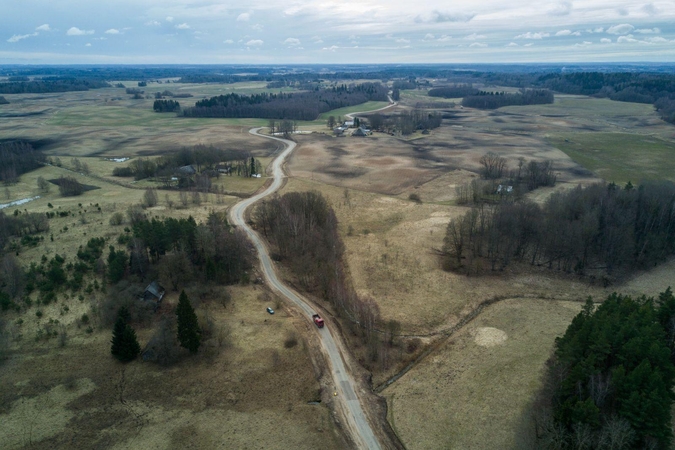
322,32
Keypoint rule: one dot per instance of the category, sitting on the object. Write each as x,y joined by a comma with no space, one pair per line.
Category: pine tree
118,337
189,334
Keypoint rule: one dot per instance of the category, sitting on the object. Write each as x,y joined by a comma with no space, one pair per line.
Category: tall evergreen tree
125,346
189,334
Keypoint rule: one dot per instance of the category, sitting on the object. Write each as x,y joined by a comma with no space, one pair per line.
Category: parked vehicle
270,310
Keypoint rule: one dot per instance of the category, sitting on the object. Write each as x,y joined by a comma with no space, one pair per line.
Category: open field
620,157
245,391
472,391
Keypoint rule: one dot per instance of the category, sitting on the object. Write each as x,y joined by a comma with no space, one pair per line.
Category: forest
54,84
294,106
494,100
601,230
455,91
609,382
17,158
406,122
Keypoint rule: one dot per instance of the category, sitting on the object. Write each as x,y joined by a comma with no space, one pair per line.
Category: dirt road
347,398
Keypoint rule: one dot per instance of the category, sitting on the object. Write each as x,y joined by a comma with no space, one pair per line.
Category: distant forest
51,85
17,158
493,100
294,106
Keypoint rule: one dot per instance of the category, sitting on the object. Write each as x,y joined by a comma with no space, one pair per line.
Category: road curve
362,433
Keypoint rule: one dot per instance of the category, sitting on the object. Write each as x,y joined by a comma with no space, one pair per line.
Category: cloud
183,26
650,9
169,19
624,28
584,44
228,41
243,17
568,33
648,31
153,23
530,35
444,38
112,31
657,40
292,42
254,42
18,37
74,31
622,11
44,27
87,44
598,30
442,17
317,39
561,9
606,41
626,39
257,27
403,41
429,37
512,44
474,37
478,44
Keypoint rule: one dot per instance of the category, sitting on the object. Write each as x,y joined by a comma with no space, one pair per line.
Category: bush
415,198
291,340
117,219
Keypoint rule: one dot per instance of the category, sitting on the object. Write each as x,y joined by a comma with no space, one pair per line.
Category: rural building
361,132
503,189
187,170
339,131
153,293
349,123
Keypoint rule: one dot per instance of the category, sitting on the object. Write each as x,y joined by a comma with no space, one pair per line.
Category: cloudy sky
335,31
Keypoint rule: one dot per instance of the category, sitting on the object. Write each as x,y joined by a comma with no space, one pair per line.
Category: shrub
70,187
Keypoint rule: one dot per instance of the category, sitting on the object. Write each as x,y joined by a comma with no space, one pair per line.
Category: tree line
494,100
601,229
609,383
302,228
292,106
455,91
17,158
47,85
162,106
406,122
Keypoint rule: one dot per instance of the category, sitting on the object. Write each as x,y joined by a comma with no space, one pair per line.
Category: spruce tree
189,334
125,346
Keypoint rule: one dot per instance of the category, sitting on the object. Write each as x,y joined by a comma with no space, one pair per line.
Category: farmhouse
361,132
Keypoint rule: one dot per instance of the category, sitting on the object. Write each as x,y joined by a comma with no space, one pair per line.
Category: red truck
317,320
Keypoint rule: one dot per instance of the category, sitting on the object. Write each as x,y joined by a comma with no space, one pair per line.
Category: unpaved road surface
347,399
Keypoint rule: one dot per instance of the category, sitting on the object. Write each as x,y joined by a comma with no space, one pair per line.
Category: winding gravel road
361,431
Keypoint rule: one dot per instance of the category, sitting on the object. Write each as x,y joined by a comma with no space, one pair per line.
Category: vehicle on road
270,310
317,320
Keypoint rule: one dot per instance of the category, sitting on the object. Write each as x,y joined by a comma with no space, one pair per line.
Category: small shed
154,293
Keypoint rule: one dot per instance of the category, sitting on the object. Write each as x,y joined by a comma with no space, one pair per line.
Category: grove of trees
51,84
291,106
494,100
17,158
609,383
598,230
165,106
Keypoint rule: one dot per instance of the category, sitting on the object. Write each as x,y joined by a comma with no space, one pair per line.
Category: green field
368,106
620,157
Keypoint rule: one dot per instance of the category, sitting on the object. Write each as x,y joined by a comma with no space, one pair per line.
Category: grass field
472,392
246,391
620,157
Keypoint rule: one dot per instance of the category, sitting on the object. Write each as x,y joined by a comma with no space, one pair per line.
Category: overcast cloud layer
340,31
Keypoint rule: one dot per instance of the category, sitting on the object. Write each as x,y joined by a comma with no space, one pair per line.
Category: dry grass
252,393
472,391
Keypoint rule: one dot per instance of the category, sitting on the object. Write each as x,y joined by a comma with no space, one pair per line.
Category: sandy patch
489,337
